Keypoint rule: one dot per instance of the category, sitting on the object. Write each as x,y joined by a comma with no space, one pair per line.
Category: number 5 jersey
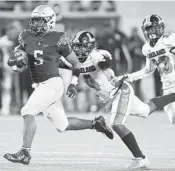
44,52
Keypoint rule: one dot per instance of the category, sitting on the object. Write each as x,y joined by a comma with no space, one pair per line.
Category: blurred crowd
126,51
15,88
73,6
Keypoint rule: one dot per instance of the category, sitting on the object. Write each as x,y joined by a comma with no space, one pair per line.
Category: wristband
74,80
14,67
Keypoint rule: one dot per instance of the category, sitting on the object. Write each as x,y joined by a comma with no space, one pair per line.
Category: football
21,58
18,60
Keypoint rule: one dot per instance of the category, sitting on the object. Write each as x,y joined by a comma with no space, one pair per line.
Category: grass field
89,150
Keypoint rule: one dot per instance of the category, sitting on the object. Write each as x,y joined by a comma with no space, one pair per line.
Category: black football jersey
44,52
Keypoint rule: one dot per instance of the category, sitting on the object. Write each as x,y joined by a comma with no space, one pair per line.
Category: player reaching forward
95,67
42,47
159,51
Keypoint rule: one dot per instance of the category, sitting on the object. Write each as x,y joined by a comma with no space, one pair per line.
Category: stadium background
112,22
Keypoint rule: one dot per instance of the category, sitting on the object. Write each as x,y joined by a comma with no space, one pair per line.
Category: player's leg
158,103
121,108
142,109
98,124
55,113
170,110
43,96
79,124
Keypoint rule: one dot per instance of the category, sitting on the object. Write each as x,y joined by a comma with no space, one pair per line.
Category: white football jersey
101,79
162,57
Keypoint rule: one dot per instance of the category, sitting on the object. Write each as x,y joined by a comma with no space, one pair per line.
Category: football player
39,49
95,68
159,50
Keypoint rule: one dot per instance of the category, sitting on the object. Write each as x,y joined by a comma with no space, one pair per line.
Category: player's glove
18,58
71,91
130,78
21,61
117,81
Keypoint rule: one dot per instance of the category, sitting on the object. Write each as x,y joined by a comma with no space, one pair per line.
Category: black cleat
21,156
100,126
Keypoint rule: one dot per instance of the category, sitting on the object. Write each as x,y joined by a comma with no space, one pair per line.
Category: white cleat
138,163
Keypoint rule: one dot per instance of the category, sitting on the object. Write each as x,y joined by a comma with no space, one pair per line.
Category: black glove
71,91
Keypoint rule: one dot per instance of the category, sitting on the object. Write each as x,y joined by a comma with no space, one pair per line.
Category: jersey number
166,67
38,60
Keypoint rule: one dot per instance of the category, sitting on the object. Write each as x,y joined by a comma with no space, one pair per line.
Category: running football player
159,50
95,67
40,48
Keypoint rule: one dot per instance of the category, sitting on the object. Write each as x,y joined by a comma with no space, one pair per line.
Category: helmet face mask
153,28
82,44
42,19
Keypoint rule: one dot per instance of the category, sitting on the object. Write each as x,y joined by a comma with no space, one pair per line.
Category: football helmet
153,27
83,43
42,19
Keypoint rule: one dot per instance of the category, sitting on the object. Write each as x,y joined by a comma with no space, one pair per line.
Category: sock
25,148
162,101
131,143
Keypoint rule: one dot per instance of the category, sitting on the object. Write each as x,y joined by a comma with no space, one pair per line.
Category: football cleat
22,156
100,125
138,163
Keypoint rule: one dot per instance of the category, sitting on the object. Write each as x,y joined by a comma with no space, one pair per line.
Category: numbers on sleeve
38,60
165,66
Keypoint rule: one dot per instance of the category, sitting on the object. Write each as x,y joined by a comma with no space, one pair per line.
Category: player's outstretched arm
72,59
144,72
65,50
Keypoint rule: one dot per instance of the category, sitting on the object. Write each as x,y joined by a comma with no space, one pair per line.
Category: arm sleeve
64,45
